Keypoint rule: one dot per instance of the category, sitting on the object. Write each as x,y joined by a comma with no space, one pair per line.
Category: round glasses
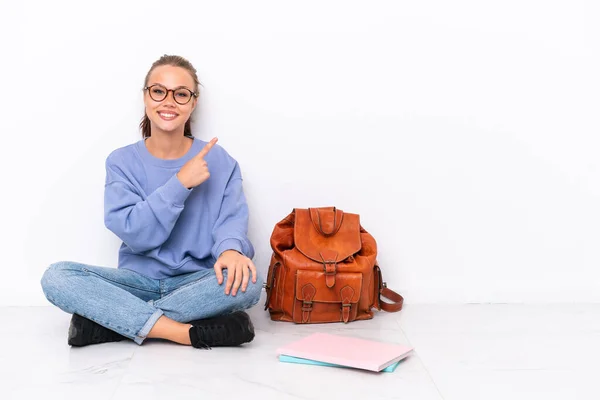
180,95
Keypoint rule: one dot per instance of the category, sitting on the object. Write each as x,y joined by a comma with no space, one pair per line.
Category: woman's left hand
238,271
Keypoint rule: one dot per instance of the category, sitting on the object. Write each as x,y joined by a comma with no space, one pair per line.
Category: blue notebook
297,360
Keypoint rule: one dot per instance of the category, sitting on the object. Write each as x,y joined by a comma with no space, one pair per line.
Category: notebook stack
343,351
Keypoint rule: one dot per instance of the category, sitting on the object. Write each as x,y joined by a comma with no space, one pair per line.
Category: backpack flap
326,235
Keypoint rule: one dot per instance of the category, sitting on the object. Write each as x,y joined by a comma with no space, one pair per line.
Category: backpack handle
326,217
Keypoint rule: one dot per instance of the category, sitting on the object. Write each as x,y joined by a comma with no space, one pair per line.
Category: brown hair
175,61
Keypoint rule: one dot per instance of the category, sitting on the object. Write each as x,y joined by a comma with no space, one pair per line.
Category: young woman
185,272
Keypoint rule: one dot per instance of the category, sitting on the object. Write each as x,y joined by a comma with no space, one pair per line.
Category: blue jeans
130,303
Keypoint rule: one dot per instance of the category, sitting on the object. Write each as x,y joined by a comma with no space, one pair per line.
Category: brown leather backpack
324,269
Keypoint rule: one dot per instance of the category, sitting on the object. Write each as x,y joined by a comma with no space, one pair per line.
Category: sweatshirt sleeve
141,224
231,227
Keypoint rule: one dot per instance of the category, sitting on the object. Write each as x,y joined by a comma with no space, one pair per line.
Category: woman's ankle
166,328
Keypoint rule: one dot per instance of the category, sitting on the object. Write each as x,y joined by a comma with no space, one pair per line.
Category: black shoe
83,332
224,330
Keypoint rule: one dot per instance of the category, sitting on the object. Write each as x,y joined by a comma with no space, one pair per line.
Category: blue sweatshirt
167,229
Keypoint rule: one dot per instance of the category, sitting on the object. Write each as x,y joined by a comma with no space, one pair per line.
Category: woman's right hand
195,171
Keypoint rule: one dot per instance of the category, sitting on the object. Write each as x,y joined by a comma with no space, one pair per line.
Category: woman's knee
55,277
253,291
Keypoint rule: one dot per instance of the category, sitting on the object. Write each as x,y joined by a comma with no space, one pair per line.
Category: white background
465,133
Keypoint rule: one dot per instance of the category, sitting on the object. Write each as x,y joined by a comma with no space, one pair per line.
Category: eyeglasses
180,95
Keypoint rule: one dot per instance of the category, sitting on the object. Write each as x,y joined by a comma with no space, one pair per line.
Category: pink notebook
348,351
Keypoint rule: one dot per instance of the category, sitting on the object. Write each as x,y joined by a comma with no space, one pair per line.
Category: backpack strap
397,299
268,285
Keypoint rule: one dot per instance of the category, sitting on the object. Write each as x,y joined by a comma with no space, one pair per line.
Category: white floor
461,352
